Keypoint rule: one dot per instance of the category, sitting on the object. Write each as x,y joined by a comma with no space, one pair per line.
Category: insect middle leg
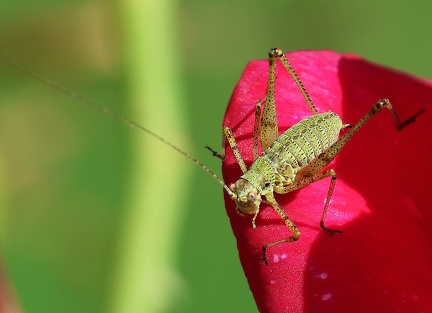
307,180
233,144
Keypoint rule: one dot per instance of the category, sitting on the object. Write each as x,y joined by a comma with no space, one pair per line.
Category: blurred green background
99,217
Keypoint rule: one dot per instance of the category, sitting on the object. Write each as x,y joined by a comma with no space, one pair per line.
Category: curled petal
382,202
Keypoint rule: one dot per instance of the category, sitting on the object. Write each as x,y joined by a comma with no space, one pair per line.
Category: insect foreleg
233,144
293,228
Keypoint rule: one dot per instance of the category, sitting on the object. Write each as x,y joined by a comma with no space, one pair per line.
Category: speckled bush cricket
296,158
289,162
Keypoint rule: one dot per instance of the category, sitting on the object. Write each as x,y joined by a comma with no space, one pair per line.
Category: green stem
147,279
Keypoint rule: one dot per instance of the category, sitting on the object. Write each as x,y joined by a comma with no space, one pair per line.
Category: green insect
289,162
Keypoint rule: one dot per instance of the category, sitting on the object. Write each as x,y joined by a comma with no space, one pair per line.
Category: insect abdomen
304,141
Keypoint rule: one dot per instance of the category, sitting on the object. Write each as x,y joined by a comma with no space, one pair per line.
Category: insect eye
252,196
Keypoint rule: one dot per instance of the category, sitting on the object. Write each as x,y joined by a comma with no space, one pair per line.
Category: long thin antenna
107,111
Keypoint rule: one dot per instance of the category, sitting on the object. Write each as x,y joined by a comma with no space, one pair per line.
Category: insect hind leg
322,160
312,172
410,119
257,129
277,53
269,125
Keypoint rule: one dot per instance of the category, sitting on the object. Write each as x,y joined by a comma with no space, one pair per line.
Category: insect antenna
107,111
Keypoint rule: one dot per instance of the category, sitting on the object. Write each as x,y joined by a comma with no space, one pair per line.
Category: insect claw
329,230
410,119
334,231
215,153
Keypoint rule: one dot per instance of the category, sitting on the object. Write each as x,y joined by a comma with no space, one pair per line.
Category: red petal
382,262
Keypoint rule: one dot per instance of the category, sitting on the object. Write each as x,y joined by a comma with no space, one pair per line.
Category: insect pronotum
289,162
